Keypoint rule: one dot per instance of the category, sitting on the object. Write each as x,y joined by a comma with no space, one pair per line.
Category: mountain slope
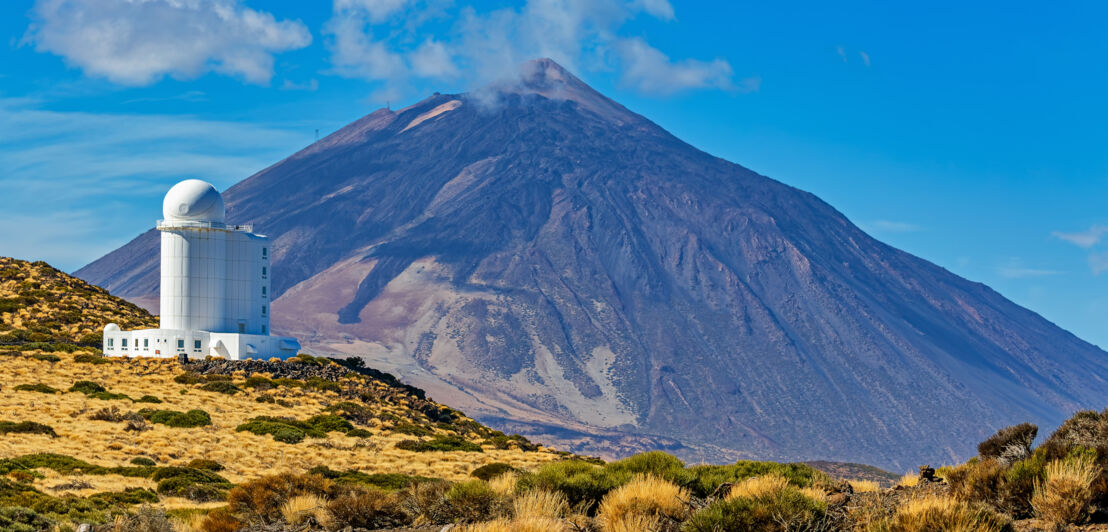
550,261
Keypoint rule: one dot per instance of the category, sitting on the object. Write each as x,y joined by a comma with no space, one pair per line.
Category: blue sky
972,136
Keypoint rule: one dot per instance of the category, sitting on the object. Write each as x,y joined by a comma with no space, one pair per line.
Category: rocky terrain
555,264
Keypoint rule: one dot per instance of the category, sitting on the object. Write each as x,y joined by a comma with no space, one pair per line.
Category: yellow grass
533,524
864,486
1064,496
540,504
297,510
641,500
504,484
931,513
246,456
908,480
757,486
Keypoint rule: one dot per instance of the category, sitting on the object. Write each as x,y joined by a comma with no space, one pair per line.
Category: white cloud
138,42
865,57
76,181
1015,269
651,71
382,41
1085,239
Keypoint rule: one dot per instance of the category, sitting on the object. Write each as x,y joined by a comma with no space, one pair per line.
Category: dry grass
505,484
644,498
1064,497
540,504
534,524
864,486
909,480
934,513
246,456
756,486
299,509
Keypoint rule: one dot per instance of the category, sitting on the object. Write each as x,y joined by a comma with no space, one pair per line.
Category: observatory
214,286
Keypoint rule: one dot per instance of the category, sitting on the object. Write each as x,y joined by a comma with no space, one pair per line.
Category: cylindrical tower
194,258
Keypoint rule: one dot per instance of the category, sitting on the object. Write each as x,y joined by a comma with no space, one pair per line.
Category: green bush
359,433
109,396
709,477
187,377
47,358
18,519
1009,444
26,427
411,429
385,481
582,483
148,399
440,444
354,412
205,464
224,387
143,461
87,387
323,385
259,383
330,423
87,358
173,418
288,430
194,484
782,511
490,471
37,387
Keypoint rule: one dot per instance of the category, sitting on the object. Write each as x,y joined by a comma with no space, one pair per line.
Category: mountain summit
543,258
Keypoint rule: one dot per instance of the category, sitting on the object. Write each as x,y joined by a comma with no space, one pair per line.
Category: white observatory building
214,286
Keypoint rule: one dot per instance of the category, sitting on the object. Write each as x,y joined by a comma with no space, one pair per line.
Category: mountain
557,265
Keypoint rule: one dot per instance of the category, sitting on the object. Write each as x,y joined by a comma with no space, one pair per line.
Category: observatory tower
214,286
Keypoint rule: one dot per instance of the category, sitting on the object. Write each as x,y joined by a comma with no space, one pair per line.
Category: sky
973,136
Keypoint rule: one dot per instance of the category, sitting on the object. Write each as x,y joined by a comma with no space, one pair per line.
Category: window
263,272
263,290
111,341
180,344
196,344
263,310
242,328
145,342
123,343
265,253
263,329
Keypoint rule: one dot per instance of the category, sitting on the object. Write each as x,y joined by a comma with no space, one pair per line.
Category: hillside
557,265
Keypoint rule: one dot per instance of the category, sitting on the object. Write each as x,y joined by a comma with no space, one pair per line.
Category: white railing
193,224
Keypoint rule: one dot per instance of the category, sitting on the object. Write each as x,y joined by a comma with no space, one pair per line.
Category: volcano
556,265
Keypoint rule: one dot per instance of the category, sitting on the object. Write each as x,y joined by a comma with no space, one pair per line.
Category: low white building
214,286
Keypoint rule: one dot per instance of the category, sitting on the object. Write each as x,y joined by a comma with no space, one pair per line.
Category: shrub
540,504
108,396
385,481
1019,484
147,519
111,413
440,444
489,471
204,464
1064,497
410,429
261,499
143,461
426,501
1009,444
323,385
224,387
359,433
757,486
977,481
37,387
935,513
148,399
259,383
473,500
368,508
329,423
193,484
779,510
47,358
18,519
220,520
86,358
707,478
305,510
187,377
26,427
173,418
87,387
355,412
645,496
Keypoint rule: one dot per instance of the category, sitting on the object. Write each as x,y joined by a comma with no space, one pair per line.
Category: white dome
193,200
111,327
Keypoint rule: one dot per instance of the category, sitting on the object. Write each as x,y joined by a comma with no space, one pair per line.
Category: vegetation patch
289,430
440,444
173,418
37,387
26,427
87,358
47,358
385,481
194,484
224,387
